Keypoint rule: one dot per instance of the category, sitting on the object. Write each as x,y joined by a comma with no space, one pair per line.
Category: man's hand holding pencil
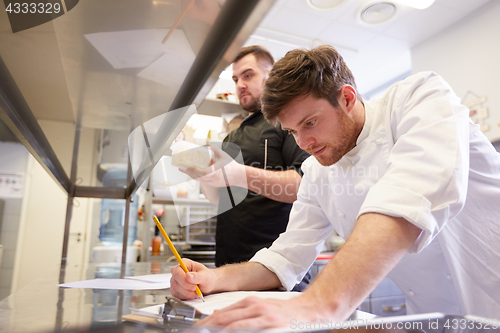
183,285
181,265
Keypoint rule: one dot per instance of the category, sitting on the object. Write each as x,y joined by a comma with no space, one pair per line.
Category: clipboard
174,314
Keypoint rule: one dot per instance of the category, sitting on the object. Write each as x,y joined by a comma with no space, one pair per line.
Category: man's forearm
376,245
211,193
281,186
245,276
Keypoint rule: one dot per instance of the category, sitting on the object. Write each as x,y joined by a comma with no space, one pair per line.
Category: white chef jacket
419,157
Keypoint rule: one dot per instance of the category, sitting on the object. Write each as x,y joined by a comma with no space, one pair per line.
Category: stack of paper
219,301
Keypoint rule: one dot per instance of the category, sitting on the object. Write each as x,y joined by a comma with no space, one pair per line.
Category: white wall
467,56
13,159
43,214
39,243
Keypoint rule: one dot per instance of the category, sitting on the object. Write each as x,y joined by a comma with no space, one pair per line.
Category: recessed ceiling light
377,13
324,5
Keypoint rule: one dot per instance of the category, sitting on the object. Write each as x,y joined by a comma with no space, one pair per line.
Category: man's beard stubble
253,106
344,143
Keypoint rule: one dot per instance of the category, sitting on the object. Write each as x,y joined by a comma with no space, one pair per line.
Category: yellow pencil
177,256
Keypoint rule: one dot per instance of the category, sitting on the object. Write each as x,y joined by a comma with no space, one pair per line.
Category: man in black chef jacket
272,167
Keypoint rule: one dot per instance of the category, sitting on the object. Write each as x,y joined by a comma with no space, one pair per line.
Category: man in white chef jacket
410,182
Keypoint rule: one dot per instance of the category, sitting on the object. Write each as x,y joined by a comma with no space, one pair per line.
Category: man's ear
266,73
348,96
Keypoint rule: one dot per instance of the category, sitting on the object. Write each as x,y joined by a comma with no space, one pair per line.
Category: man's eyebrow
246,70
300,122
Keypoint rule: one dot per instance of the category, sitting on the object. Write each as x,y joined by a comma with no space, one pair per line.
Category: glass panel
118,62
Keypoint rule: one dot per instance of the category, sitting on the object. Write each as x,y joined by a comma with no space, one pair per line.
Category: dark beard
347,142
254,106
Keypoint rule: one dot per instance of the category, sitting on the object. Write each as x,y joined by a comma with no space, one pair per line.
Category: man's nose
240,86
304,141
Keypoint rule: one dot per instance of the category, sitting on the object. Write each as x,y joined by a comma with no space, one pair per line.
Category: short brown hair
261,54
321,71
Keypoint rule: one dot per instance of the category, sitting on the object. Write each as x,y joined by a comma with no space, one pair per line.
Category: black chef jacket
257,221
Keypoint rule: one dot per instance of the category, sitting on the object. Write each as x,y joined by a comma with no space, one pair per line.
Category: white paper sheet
170,69
139,48
153,278
219,301
116,284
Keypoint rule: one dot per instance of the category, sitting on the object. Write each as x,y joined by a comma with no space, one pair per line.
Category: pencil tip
201,296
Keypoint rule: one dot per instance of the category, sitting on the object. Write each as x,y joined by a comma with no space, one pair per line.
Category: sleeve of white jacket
427,174
295,250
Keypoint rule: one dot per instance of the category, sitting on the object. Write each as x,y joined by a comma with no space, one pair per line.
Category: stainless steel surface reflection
42,306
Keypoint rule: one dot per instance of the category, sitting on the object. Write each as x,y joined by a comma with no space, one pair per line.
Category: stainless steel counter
42,306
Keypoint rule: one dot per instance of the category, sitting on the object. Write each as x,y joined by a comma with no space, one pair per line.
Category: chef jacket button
448,277
411,293
342,215
378,142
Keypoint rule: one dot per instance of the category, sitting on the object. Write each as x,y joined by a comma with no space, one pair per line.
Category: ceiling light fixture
324,5
417,4
378,12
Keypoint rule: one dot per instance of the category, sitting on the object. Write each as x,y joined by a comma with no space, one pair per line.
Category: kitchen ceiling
376,53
